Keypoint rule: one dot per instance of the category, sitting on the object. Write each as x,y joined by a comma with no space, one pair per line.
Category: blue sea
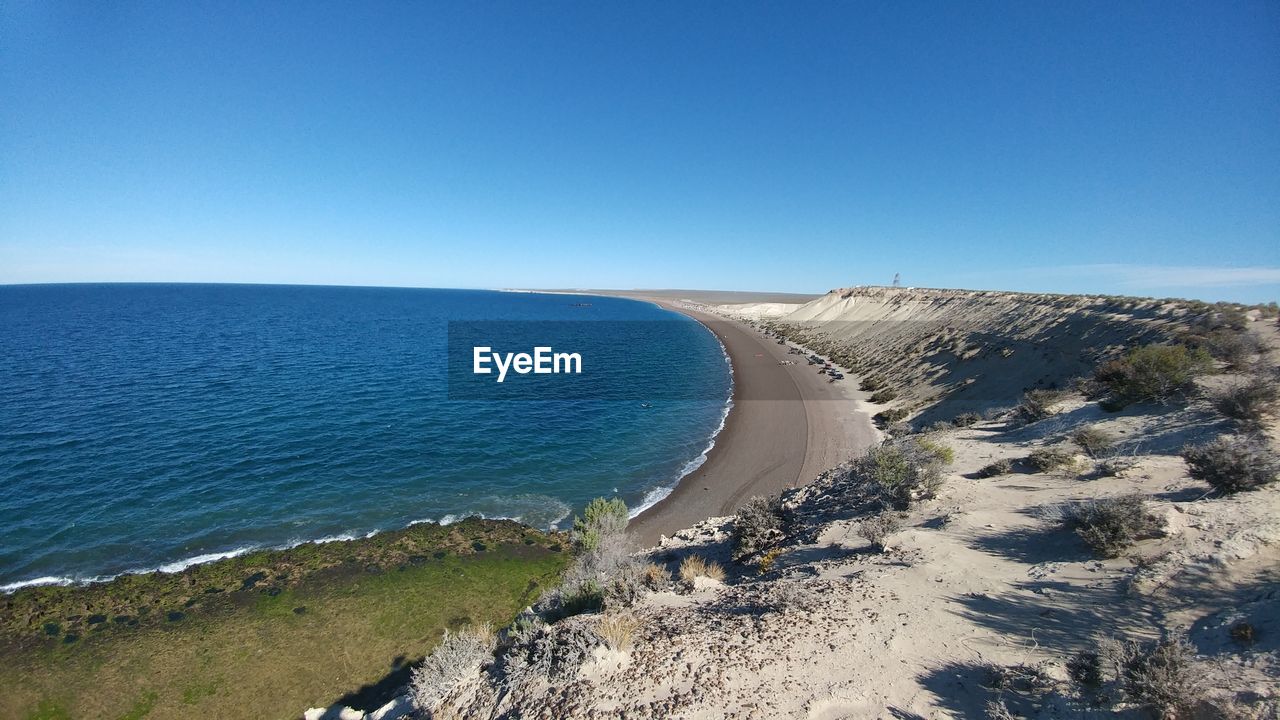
152,426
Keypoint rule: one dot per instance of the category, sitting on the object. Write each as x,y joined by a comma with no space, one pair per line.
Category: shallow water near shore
152,426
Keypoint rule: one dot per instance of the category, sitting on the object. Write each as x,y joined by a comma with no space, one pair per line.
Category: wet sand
787,424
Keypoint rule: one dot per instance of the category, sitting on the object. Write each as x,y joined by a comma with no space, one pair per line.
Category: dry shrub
877,529
901,471
1111,525
883,396
457,655
1096,442
966,419
888,417
1248,401
1003,466
547,652
767,559
1233,463
1161,676
1040,404
655,576
758,525
1085,668
1116,466
1052,460
618,629
695,566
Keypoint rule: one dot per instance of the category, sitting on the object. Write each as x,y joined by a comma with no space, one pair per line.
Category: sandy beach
787,424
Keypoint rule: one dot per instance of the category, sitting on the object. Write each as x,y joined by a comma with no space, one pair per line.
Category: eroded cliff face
951,351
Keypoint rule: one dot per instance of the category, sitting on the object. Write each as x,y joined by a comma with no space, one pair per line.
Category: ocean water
151,426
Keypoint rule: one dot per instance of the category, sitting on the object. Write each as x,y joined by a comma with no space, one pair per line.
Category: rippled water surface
146,426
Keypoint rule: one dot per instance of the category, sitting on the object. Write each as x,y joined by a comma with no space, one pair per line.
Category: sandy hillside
981,583
949,351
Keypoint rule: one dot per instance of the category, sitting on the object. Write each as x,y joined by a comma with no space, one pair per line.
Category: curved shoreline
784,426
774,434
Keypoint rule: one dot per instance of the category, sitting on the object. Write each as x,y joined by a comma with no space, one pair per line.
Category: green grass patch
271,649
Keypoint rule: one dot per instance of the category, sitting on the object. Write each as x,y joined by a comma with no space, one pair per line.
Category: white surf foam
47,580
656,495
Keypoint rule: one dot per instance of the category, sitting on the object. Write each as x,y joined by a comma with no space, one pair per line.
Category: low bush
881,397
1040,404
547,652
871,384
767,559
695,567
1094,441
1116,466
1154,373
1161,676
1052,459
943,453
1000,467
601,517
758,525
1085,668
900,471
885,418
655,577
604,573
877,529
966,419
1233,463
457,655
1111,525
617,629
1222,334
1249,401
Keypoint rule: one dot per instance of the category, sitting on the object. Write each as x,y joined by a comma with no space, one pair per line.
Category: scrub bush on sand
604,573
902,471
757,526
457,655
1111,525
1154,373
1233,463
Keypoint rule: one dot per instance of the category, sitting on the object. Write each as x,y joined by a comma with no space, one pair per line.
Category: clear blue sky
1121,147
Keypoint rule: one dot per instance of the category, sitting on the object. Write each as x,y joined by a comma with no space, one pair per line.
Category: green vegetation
604,574
600,517
1154,373
883,396
272,632
902,472
887,417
